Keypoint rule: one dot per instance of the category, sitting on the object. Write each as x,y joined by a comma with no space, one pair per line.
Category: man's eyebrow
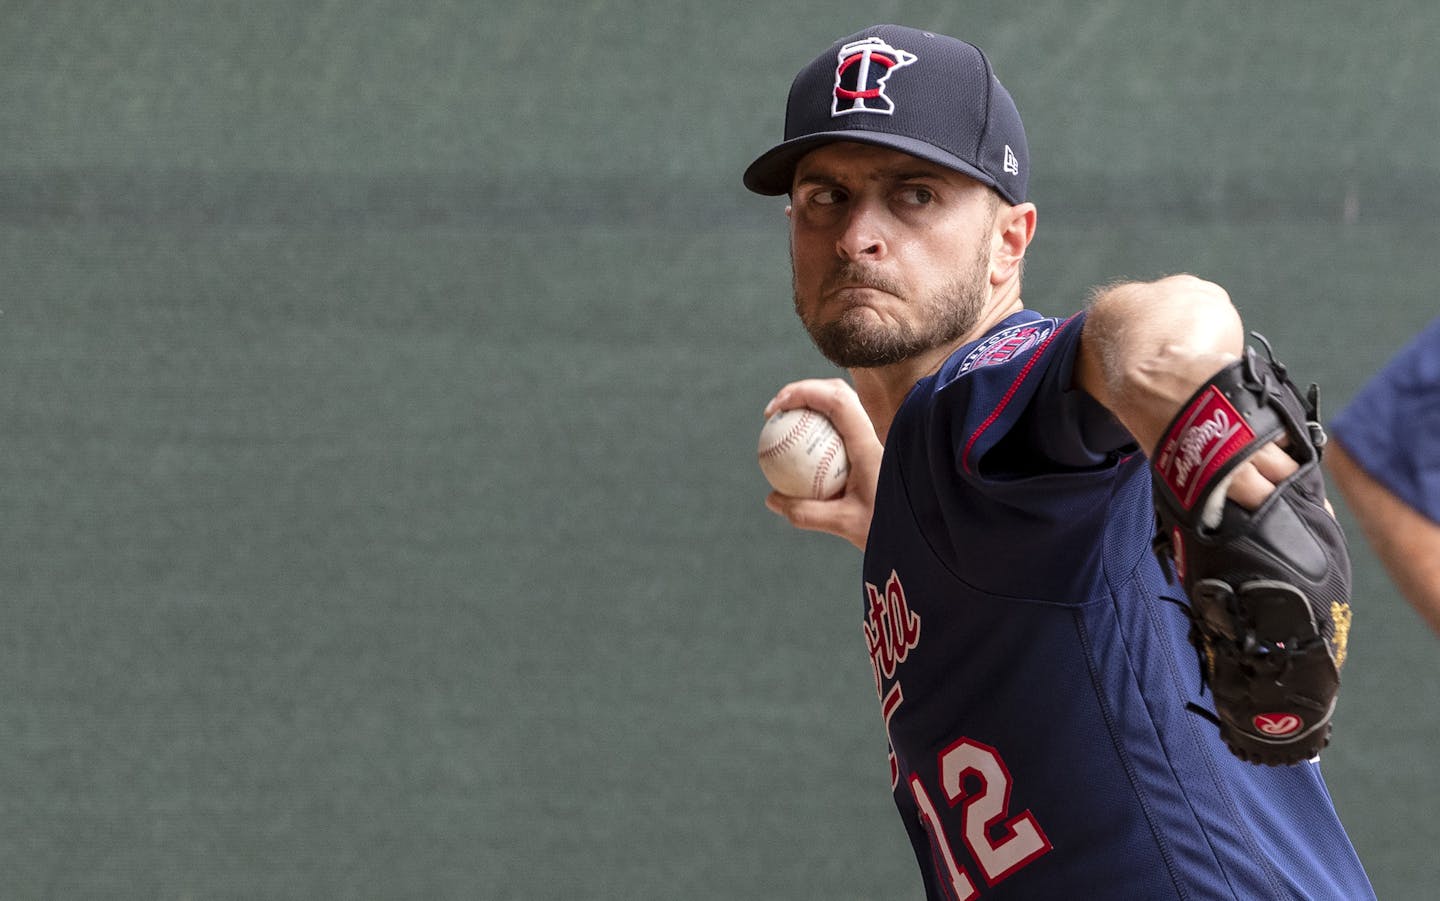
912,170
935,174
817,178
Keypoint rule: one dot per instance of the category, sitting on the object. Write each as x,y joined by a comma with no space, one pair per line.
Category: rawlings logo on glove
1201,443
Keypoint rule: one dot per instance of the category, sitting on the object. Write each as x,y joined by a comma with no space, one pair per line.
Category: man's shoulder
997,363
1021,372
1017,337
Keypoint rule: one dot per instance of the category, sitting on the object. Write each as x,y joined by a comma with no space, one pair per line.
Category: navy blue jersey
1392,427
1035,683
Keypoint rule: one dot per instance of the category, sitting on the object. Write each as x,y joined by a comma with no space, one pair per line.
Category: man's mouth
852,281
853,295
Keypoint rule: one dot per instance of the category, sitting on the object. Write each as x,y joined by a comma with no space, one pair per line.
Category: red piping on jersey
1014,386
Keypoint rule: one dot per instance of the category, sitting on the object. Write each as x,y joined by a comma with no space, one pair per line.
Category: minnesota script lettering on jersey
892,631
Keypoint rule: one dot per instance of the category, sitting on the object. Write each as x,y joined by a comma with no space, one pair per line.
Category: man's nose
863,236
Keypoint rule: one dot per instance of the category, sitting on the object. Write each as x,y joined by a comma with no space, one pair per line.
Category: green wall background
380,384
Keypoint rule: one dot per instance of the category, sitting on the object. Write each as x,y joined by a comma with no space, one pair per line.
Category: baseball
802,455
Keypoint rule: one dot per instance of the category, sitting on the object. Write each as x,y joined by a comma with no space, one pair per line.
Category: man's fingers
1256,478
829,396
1274,464
1248,487
803,513
840,516
837,400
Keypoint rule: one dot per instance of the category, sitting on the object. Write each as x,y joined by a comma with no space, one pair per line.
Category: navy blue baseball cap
928,95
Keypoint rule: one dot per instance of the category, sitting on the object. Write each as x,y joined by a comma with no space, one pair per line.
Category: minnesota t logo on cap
937,100
860,77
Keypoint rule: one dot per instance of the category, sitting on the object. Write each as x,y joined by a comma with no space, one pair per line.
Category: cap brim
773,171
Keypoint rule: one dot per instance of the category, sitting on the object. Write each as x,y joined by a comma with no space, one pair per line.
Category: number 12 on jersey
999,846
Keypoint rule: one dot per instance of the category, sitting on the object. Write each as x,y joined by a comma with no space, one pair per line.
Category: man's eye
918,196
827,197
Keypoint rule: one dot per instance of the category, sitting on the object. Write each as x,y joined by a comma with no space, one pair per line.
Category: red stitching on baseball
822,469
792,437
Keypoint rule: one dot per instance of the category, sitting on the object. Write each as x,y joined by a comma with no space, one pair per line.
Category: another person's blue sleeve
1392,425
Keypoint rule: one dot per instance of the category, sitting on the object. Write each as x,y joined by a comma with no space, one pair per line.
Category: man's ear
1014,229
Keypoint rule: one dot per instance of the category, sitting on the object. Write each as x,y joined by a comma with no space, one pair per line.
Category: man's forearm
1148,345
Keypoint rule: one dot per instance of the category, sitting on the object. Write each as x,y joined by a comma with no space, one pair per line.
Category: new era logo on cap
860,74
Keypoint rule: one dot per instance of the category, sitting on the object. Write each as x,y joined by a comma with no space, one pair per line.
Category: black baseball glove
1269,590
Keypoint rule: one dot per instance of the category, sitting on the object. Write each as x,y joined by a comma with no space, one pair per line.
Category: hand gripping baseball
1269,588
848,513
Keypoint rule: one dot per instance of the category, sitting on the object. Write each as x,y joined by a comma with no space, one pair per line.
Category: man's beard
855,340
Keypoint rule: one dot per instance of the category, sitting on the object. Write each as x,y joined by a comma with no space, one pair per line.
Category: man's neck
884,388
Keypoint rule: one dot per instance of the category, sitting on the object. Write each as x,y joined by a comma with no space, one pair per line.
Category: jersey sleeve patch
1006,344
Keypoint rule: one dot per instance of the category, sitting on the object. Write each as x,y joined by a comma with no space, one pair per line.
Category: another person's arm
1406,541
